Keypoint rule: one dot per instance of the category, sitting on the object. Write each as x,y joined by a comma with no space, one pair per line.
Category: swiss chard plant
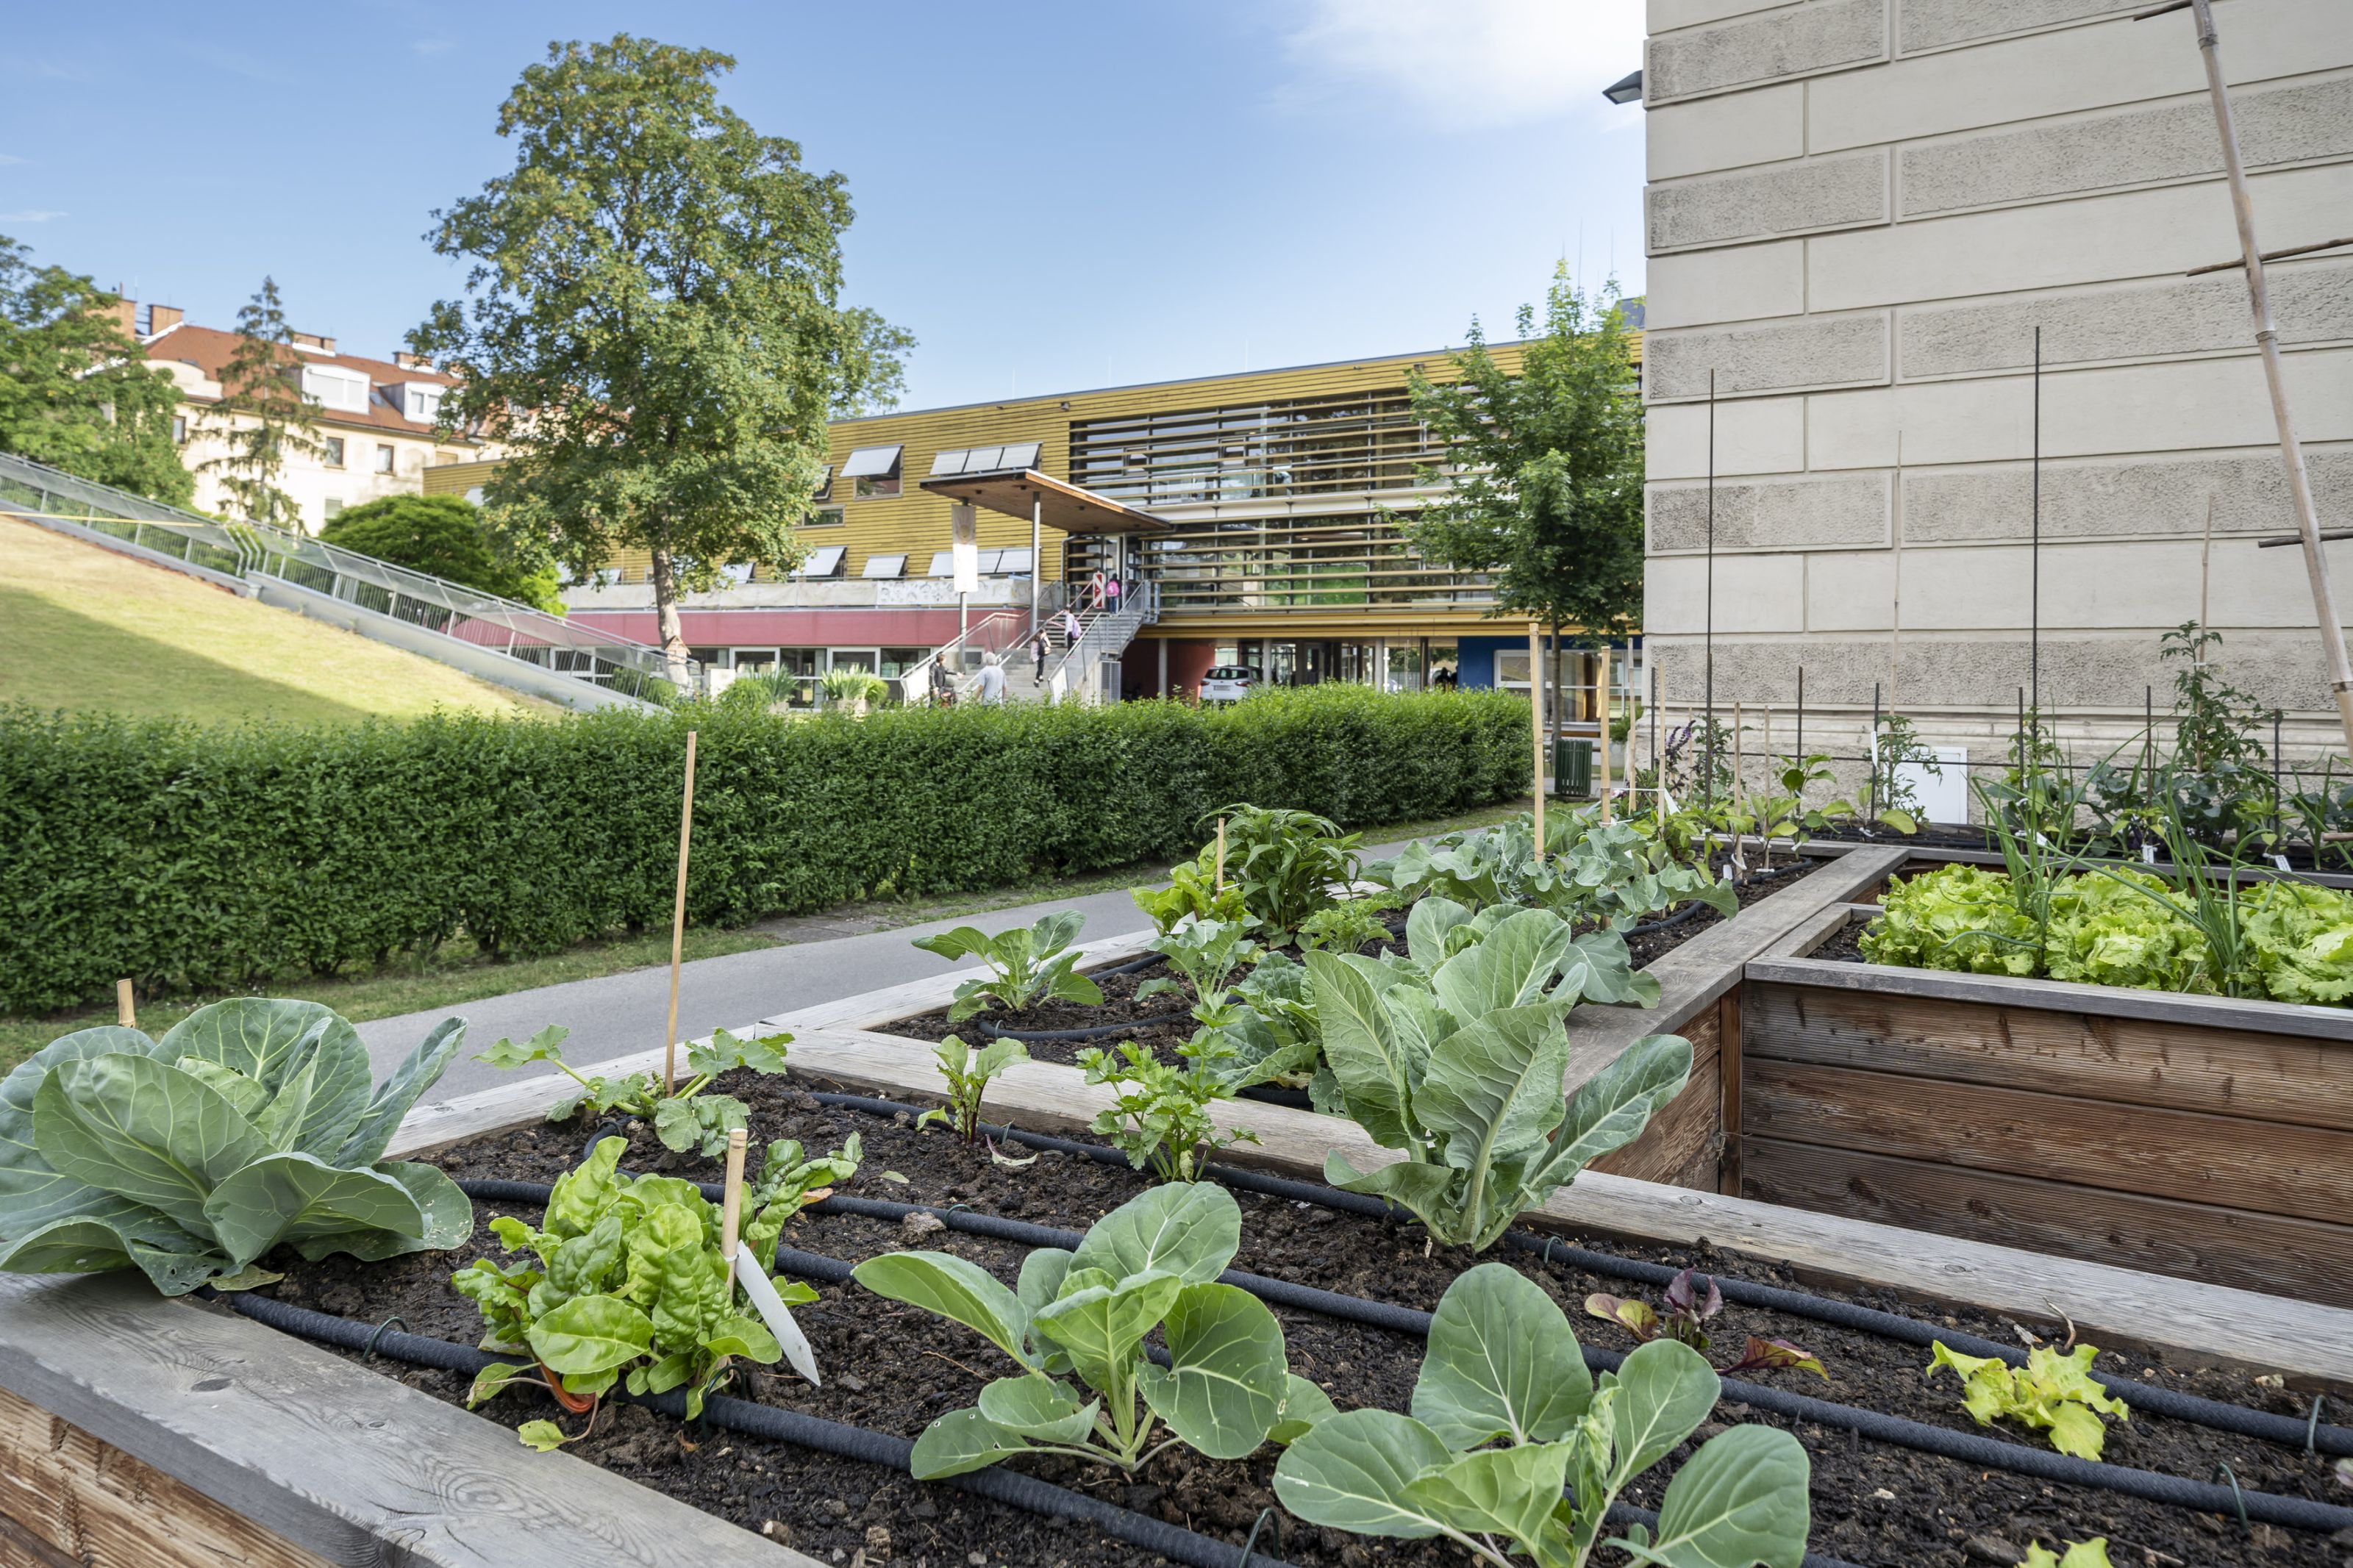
1075,1327
683,1115
967,1072
1690,1302
1026,964
250,1124
1193,893
1460,1066
625,1284
1286,863
2052,1393
1608,873
1513,1453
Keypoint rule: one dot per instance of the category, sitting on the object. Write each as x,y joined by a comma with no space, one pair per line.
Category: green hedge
202,859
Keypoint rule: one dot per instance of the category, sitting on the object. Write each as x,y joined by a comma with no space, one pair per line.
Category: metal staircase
497,639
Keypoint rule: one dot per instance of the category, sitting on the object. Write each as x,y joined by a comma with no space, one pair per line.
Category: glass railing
251,550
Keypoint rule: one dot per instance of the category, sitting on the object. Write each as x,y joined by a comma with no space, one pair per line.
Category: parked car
1228,682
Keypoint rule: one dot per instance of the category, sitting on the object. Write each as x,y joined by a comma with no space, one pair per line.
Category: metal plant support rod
2034,596
1708,648
2259,299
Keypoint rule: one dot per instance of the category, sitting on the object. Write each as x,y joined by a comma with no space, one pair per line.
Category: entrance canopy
1013,491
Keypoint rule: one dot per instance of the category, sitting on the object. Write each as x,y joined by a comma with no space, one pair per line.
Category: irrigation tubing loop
1968,1448
1094,1033
1134,966
995,1483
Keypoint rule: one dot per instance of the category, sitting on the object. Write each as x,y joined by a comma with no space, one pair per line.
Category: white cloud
6,158
31,214
1464,65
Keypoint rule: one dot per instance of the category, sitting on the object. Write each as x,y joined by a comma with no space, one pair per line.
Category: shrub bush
215,858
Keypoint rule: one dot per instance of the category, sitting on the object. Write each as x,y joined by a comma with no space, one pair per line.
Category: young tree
653,330
76,390
442,535
1547,495
263,415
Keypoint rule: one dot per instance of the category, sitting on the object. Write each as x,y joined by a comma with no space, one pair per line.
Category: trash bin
1572,768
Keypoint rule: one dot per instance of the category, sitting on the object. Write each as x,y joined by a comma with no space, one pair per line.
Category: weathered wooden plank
2136,1061
1928,858
1687,1126
83,1502
2062,995
1810,932
2197,1159
335,1458
2225,1246
1731,1058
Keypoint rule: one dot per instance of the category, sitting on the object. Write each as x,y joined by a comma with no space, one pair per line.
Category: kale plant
683,1115
1608,873
1025,966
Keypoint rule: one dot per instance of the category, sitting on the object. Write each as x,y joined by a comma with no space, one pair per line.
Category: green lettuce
2051,1392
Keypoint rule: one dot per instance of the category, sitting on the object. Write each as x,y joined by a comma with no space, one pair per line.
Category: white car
1228,682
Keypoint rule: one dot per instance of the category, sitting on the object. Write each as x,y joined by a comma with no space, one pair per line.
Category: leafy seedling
2091,1553
968,1072
1690,1301
629,1287
1160,1119
2051,1392
1026,964
1193,894
683,1118
1076,1326
1506,1418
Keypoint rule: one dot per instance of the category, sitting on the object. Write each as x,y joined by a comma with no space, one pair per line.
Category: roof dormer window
345,391
420,402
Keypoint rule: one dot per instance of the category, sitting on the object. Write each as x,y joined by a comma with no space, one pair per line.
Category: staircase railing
253,551
994,633
1103,634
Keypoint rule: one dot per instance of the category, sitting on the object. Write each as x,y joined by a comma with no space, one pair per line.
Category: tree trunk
673,629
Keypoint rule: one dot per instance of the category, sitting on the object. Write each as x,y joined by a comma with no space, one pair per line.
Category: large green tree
263,417
653,329
442,535
1547,466
76,390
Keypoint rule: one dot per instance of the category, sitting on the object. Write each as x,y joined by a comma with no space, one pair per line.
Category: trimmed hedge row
218,858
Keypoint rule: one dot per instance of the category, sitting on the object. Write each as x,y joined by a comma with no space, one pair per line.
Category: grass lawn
457,974
89,628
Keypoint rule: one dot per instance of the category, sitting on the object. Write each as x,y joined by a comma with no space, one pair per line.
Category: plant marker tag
2280,861
777,1316
2148,854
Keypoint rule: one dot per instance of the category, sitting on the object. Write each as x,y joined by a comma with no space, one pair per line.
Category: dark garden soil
894,1369
1164,1034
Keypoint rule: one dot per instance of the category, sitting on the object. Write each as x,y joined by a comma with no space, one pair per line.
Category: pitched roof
209,349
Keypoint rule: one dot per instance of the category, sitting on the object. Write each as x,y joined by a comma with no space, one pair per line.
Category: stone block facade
1860,213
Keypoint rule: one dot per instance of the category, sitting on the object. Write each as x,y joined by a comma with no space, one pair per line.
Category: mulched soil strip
1872,1503
1058,1031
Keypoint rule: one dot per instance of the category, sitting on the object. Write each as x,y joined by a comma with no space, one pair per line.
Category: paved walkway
615,1015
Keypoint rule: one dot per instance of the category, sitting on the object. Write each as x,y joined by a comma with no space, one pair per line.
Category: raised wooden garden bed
2204,1138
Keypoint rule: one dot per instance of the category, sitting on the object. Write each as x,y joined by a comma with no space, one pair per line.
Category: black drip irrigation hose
1134,966
2173,1404
995,1483
1665,922
1096,1033
1901,1431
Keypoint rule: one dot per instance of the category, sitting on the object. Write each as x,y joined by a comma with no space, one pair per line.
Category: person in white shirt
988,686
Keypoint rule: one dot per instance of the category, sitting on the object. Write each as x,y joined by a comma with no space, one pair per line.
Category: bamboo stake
1739,759
1896,597
678,924
1609,718
2206,564
1219,885
1537,728
124,1012
731,1206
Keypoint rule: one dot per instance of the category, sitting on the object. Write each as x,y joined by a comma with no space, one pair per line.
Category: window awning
943,564
885,566
1060,504
986,459
823,561
872,463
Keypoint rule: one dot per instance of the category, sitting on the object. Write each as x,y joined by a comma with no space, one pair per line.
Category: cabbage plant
1609,873
1515,1454
250,1124
1076,1328
1460,1065
1025,964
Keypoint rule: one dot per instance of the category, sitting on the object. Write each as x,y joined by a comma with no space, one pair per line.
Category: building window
824,517
824,485
335,509
179,429
335,387
421,403
335,451
876,471
384,455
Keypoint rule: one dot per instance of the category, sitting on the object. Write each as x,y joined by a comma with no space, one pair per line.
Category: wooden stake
1219,885
1609,718
1739,783
124,1014
678,924
1537,728
731,1206
2206,563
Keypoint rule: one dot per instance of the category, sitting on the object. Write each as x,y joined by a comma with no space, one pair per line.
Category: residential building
1271,505
375,417
1867,223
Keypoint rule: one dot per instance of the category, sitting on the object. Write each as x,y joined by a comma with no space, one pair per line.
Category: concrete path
615,1015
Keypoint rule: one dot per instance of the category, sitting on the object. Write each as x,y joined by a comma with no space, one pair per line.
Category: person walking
988,686
1068,624
1110,594
1041,648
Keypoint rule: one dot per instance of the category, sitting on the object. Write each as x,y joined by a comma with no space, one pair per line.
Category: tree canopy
76,389
442,535
653,327
1547,489
263,417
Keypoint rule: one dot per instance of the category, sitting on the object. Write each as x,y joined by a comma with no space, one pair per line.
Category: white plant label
2280,861
776,1315
2148,854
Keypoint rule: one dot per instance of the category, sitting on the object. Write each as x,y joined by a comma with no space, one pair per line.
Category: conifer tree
263,417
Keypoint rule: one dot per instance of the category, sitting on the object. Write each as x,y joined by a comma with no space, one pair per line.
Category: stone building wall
1859,213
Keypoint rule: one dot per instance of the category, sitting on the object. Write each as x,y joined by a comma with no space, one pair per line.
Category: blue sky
1050,195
